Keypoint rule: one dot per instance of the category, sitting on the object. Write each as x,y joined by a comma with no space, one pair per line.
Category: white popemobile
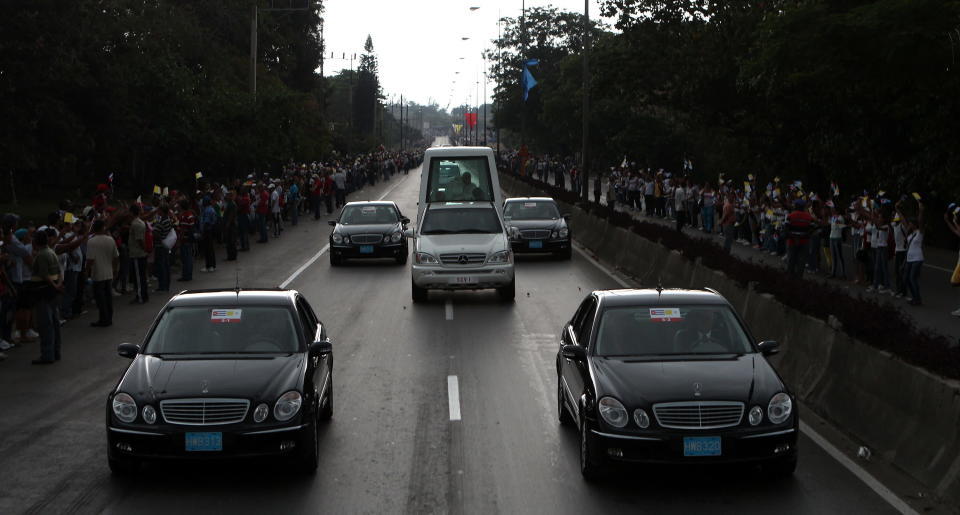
460,239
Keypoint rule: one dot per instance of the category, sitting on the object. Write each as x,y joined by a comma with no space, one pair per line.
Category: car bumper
170,442
377,251
668,448
441,278
525,246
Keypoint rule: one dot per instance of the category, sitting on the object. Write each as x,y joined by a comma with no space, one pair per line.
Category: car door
574,373
318,367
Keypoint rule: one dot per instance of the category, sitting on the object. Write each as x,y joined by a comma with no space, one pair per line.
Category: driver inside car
701,334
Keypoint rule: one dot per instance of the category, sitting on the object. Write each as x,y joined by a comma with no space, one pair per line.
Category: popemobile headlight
502,257
780,408
564,232
149,414
124,407
423,258
396,237
641,418
337,239
613,412
287,406
260,414
756,415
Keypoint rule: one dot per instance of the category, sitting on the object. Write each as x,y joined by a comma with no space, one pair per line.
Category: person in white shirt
837,223
275,210
680,203
899,228
914,255
881,272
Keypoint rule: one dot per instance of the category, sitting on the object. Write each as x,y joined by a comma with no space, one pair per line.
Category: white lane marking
325,248
858,471
885,493
453,397
449,309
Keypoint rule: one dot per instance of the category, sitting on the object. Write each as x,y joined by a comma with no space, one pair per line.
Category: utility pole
401,122
584,161
253,50
523,60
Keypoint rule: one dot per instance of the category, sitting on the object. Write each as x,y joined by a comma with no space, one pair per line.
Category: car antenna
659,286
238,282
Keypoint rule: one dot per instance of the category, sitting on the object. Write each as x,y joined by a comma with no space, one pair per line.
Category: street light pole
584,156
253,51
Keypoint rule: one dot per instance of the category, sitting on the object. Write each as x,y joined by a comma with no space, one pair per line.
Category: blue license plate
536,244
204,441
701,446
366,249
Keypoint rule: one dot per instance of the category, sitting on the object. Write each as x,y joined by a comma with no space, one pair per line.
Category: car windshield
459,179
224,330
670,330
368,215
531,210
461,220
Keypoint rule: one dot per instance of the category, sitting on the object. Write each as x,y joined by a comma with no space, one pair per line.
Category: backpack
148,239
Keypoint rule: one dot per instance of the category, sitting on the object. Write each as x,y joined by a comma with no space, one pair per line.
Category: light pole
584,155
254,12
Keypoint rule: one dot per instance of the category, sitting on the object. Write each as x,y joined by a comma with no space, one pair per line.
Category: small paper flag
199,175
69,218
156,189
776,179
139,201
750,177
166,191
836,189
110,178
881,193
916,196
746,187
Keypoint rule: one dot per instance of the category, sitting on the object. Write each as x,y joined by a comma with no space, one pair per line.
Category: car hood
367,229
456,243
154,378
641,382
535,224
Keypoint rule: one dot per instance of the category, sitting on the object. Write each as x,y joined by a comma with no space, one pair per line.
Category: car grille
204,412
366,238
698,414
535,234
454,259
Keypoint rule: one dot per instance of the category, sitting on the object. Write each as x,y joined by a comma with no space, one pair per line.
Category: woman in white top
914,256
837,223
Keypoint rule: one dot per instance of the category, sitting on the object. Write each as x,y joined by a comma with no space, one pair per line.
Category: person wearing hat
46,284
800,225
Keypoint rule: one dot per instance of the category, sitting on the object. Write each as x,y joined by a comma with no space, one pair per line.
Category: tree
366,95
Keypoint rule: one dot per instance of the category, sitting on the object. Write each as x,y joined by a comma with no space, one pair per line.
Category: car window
306,319
459,179
584,321
461,221
670,330
531,210
369,215
225,330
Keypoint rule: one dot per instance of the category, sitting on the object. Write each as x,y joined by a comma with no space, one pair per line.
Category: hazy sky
418,42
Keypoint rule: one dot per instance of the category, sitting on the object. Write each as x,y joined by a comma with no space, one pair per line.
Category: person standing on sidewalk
46,284
208,228
680,203
913,261
102,261
162,225
186,239
137,243
951,219
881,272
243,218
340,183
230,225
728,222
263,211
800,224
709,202
899,228
837,224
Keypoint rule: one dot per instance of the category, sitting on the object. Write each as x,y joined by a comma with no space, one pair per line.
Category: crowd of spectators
107,248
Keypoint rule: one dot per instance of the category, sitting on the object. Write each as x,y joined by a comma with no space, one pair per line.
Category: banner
471,119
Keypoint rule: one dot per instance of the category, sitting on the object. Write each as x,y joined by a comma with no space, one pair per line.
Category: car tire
326,411
310,458
335,260
402,260
781,468
417,293
565,418
123,466
589,464
508,292
565,255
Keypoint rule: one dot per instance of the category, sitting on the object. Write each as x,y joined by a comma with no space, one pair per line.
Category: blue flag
532,62
528,82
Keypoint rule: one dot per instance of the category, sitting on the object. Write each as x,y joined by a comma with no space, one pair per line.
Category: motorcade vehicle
672,376
459,174
224,374
369,230
535,224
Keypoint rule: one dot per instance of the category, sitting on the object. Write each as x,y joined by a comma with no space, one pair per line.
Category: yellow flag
916,196
69,218
156,189
199,175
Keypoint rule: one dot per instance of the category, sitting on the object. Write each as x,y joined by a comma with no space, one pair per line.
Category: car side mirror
321,348
566,216
128,350
332,223
409,233
404,220
768,347
574,352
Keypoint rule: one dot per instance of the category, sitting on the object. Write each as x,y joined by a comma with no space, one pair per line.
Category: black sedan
224,374
369,230
536,225
672,376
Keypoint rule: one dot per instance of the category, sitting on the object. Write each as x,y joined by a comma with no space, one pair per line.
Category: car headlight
756,415
149,414
396,237
346,239
780,408
502,257
337,239
641,418
613,412
287,406
260,414
426,259
554,234
124,407
564,232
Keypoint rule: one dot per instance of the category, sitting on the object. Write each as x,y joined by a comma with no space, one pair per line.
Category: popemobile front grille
204,412
454,259
698,414
535,234
366,238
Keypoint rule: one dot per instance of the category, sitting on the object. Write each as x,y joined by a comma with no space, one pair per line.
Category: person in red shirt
316,190
186,239
263,212
800,225
243,218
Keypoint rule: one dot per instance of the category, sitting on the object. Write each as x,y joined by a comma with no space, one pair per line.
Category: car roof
233,297
529,199
371,203
664,297
459,205
457,151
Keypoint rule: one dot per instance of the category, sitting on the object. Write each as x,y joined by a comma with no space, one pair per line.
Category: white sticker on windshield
225,316
368,209
665,315
529,204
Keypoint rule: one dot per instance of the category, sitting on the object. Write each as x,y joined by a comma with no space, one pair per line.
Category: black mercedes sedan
536,225
224,374
369,230
672,376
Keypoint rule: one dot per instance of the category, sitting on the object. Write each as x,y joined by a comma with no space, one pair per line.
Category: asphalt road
391,447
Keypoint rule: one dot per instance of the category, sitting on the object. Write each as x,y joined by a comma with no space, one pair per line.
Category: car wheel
419,294
123,466
402,260
589,467
565,418
326,412
508,292
311,451
335,260
781,468
565,255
